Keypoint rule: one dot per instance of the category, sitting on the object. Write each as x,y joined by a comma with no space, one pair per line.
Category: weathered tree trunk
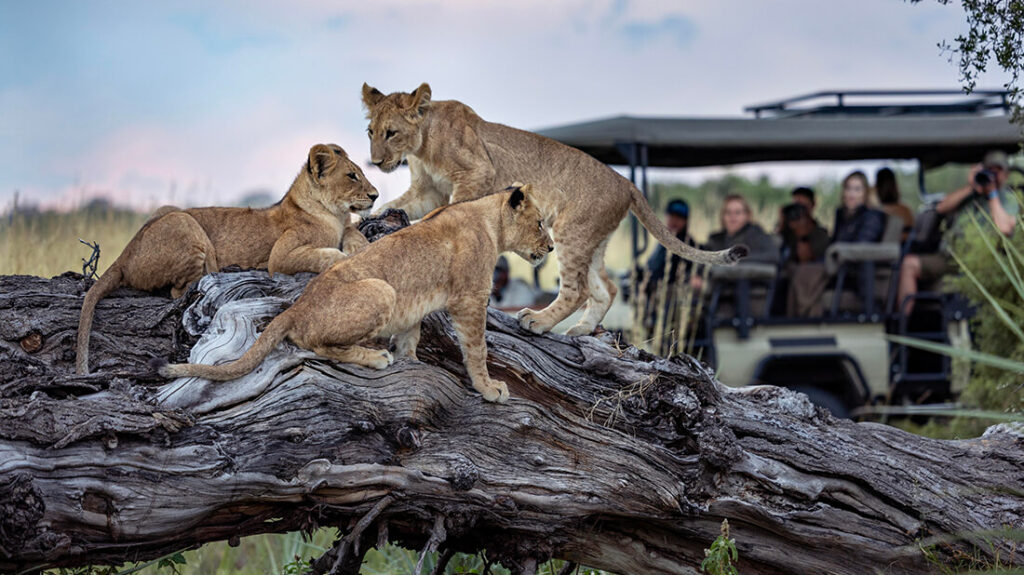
605,455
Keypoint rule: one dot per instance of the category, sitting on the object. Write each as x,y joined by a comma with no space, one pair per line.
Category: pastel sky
203,102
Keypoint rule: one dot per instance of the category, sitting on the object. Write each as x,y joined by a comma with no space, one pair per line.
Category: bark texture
605,455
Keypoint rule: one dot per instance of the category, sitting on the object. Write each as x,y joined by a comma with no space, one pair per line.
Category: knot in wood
685,404
719,447
408,437
21,509
464,475
32,342
376,227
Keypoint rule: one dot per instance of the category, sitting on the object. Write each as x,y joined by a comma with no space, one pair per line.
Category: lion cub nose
373,197
377,163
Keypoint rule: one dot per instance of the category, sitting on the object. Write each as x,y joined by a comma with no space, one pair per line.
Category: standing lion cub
444,262
301,233
454,155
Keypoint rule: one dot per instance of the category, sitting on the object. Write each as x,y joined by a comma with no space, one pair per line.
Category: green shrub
993,280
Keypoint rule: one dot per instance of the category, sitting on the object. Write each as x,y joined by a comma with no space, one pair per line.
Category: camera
983,178
793,212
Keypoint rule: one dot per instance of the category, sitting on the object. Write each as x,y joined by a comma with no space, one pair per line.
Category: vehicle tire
825,399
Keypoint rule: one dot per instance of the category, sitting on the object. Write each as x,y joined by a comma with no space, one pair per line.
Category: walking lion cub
454,155
444,262
301,233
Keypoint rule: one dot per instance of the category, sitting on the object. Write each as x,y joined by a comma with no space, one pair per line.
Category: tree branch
604,456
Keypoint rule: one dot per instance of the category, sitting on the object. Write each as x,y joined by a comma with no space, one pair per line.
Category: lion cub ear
371,96
322,159
421,98
517,200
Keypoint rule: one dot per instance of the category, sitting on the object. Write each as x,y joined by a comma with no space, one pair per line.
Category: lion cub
444,262
301,233
454,155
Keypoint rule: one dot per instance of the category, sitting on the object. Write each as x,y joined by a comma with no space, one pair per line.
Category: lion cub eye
389,134
369,131
540,224
352,176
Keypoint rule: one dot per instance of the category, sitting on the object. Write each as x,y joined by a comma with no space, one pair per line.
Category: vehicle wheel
825,399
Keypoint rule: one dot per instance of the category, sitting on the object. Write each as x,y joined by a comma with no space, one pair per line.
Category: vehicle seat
844,259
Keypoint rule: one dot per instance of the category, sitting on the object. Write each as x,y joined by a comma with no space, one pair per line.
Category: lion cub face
524,229
395,120
339,184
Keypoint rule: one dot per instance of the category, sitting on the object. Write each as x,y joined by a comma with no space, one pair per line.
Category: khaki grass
46,244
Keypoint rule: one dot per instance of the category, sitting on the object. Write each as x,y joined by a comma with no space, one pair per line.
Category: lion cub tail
265,343
108,282
653,223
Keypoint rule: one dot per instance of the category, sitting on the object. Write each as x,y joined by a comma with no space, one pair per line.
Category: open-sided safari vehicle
843,359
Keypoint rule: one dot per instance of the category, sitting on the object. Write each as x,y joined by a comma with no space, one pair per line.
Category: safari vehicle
842,360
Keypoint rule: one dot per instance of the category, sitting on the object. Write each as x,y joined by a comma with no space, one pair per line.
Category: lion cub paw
529,320
380,359
494,391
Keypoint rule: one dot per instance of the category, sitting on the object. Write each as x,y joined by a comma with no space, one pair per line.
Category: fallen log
605,455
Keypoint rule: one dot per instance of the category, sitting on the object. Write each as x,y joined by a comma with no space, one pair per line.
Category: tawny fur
454,155
301,233
385,290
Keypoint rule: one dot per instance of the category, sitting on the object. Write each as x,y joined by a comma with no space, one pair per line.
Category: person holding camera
985,190
804,240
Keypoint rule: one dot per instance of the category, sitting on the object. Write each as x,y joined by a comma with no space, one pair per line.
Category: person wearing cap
677,217
985,191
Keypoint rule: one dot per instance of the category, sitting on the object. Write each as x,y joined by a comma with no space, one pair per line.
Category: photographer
985,190
803,239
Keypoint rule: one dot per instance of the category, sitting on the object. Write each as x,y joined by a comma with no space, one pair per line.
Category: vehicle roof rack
886,103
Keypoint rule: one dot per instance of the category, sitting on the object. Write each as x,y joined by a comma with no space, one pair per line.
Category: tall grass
46,243
992,277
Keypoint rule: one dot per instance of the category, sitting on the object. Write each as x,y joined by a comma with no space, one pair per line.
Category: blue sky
202,102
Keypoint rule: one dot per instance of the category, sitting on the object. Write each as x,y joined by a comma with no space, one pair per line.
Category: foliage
993,280
996,30
719,558
46,243
982,555
290,554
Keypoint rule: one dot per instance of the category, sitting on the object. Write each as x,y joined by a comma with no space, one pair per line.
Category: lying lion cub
301,233
454,154
444,262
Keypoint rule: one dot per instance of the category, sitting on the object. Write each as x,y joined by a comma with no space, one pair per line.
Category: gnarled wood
605,455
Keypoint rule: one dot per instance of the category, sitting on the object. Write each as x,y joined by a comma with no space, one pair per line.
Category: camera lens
983,178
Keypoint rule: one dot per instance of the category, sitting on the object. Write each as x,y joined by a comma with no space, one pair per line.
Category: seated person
888,192
803,196
737,228
985,190
855,222
677,214
803,238
508,293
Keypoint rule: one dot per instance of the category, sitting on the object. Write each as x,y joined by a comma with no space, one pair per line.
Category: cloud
678,29
222,98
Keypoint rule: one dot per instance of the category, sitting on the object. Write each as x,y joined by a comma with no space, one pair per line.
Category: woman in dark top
856,221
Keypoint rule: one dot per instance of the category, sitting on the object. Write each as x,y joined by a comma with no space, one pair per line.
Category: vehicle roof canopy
691,142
